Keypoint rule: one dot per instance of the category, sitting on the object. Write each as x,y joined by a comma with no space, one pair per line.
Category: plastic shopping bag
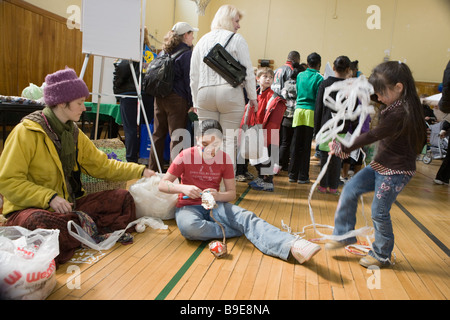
27,265
150,202
33,92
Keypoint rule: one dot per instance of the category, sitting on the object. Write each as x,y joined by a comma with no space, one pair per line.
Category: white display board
107,85
111,28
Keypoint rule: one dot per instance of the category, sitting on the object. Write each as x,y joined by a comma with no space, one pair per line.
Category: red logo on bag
13,277
27,254
36,276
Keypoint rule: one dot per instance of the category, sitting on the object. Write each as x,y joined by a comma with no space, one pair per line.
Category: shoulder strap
179,52
229,39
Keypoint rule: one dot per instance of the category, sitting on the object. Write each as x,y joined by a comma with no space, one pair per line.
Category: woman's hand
148,173
191,191
61,205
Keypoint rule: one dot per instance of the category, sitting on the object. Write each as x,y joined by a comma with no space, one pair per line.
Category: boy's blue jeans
386,188
195,223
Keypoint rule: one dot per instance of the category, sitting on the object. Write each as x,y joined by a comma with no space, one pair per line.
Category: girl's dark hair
209,126
297,69
387,75
314,60
341,64
354,65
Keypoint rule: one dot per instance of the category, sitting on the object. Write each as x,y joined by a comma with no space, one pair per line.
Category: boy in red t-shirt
201,169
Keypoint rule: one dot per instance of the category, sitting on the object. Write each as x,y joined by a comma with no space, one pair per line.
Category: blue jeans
195,223
386,189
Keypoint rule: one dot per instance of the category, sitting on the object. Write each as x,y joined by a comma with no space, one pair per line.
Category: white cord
352,102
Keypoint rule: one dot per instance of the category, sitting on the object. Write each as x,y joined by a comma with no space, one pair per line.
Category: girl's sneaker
322,189
303,250
240,178
334,191
368,261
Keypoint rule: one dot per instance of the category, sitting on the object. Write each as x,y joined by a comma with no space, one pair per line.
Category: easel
137,82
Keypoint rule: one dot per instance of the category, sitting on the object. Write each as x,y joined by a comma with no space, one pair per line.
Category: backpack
158,80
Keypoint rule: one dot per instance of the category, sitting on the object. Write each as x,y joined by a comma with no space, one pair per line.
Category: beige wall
413,31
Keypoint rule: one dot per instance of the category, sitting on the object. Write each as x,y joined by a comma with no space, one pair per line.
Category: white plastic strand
352,102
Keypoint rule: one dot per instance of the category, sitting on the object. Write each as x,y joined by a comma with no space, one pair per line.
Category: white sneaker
437,181
303,250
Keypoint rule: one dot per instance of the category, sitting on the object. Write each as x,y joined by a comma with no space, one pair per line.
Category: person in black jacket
444,103
123,84
443,174
330,181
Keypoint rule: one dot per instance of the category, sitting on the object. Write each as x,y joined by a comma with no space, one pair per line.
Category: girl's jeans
386,188
195,223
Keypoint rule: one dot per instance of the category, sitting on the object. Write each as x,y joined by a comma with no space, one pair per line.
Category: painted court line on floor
180,273
429,234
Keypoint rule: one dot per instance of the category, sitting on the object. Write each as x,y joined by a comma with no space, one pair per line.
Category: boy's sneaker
257,184
268,186
240,178
303,250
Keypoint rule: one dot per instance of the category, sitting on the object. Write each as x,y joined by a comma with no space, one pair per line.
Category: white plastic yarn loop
109,242
352,102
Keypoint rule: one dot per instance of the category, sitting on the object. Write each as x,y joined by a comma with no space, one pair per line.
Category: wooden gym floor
162,265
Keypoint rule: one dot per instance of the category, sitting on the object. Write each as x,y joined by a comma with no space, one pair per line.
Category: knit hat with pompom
64,86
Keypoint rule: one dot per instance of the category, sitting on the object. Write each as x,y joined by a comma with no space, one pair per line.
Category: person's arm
17,184
95,163
243,56
194,73
167,185
318,110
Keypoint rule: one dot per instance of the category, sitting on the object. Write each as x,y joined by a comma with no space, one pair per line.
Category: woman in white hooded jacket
212,96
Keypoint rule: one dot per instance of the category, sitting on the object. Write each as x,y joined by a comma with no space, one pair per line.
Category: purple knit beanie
64,86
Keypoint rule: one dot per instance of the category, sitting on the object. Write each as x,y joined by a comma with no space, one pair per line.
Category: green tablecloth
112,110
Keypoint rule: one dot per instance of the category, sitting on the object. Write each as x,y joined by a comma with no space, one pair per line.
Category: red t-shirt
192,169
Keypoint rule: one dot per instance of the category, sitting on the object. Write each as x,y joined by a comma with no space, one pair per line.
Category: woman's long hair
387,75
171,41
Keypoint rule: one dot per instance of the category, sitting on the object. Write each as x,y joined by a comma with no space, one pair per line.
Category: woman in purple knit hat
41,164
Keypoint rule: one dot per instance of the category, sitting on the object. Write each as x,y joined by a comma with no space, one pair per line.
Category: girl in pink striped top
401,135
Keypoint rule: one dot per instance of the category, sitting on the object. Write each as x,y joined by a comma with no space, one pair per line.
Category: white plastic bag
33,92
150,202
109,242
27,265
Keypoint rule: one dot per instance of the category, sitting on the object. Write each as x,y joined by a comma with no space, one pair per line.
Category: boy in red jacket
271,108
